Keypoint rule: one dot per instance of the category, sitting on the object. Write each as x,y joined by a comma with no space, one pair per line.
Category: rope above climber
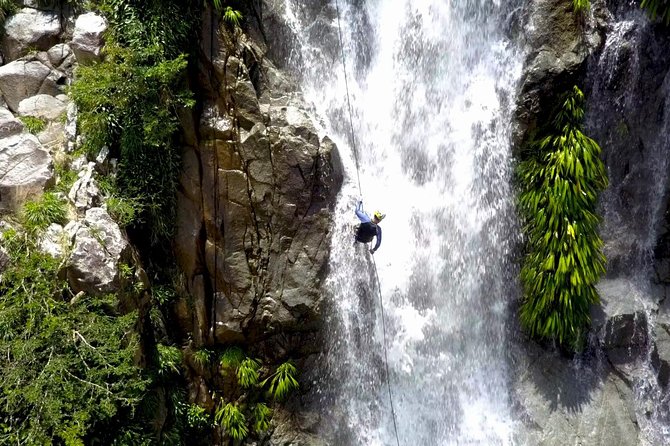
369,227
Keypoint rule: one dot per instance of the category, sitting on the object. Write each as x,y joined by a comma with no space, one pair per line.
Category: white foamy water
430,84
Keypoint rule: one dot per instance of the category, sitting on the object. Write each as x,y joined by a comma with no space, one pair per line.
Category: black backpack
366,232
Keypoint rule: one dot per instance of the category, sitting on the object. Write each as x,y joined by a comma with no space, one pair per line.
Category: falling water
630,93
431,84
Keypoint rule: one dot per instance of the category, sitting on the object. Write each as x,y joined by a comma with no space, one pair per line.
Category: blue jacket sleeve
379,238
362,216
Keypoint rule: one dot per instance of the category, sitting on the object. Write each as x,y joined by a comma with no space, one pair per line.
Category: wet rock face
559,43
258,187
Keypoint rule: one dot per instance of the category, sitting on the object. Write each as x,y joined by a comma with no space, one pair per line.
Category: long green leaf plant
560,184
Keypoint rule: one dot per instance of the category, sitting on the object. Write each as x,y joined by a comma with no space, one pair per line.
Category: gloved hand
372,251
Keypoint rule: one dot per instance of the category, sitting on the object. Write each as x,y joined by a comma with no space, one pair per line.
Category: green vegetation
232,420
581,6
231,358
38,214
658,8
202,357
33,124
237,420
247,373
560,183
66,367
129,103
7,8
232,16
283,381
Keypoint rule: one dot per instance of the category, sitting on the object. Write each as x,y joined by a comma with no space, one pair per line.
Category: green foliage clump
232,357
254,413
658,8
123,210
7,8
247,373
38,214
232,16
169,360
66,366
129,103
231,418
283,381
197,417
261,415
202,357
560,184
581,6
33,124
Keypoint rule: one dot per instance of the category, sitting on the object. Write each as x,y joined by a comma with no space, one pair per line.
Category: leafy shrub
560,183
197,417
66,367
658,8
38,214
232,420
33,124
169,360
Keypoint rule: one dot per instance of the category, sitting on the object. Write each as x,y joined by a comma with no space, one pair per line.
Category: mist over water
431,84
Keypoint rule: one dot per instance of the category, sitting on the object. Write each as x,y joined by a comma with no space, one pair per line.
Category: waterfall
431,85
630,95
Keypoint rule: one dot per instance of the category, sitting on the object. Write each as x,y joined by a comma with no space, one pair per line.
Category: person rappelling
369,227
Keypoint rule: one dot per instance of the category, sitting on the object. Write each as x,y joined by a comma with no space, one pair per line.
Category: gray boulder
25,78
42,106
9,125
30,29
25,169
87,39
99,246
58,54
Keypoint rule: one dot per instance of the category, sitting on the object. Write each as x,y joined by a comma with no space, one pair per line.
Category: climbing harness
360,191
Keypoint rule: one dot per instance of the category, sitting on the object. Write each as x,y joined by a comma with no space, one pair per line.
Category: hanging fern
282,381
658,8
247,373
560,184
232,16
232,420
261,414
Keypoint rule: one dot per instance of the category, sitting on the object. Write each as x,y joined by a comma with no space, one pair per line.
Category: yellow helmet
379,216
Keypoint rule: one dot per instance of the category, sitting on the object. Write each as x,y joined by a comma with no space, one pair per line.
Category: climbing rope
360,191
